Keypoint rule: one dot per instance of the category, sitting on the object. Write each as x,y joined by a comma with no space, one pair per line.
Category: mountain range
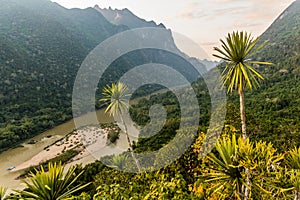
272,110
125,17
42,46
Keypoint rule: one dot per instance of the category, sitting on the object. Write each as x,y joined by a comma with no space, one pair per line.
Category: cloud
210,9
247,25
192,14
238,10
209,44
209,13
191,10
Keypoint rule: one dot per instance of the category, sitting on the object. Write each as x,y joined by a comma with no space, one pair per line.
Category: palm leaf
50,185
235,51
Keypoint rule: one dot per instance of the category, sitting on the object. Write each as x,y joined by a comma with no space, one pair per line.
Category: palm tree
115,96
293,158
226,173
239,72
51,185
2,193
293,161
119,161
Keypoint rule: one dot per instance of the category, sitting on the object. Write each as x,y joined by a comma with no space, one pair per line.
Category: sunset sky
203,21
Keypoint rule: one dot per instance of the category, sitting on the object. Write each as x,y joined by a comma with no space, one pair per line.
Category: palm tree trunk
129,144
243,117
297,195
246,196
244,135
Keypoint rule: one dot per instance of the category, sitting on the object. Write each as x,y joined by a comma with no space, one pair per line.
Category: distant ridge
125,17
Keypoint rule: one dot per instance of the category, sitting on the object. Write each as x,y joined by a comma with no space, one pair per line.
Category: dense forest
274,107
40,55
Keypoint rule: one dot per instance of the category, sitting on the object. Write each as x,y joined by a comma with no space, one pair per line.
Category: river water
16,156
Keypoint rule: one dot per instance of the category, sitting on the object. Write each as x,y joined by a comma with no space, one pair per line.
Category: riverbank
17,156
92,137
25,152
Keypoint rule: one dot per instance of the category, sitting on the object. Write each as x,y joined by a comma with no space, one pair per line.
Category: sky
203,21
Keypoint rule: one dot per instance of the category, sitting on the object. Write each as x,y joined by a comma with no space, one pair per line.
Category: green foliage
293,158
2,193
51,185
293,161
220,175
115,191
89,175
113,184
274,106
237,52
39,58
82,196
119,161
113,132
113,136
140,115
168,188
115,98
226,171
272,113
145,186
63,158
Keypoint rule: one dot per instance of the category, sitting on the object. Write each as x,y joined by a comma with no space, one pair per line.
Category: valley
254,153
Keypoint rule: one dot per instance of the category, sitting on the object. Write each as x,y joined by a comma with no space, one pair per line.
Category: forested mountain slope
42,46
273,110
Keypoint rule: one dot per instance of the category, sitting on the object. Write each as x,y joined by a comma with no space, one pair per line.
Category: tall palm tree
51,185
239,73
115,96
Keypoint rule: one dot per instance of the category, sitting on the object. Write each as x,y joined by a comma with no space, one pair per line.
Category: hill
272,115
42,46
39,57
274,107
272,110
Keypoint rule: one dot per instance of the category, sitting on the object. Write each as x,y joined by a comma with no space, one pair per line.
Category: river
16,156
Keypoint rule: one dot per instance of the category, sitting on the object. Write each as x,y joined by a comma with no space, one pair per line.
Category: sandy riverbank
91,141
91,137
